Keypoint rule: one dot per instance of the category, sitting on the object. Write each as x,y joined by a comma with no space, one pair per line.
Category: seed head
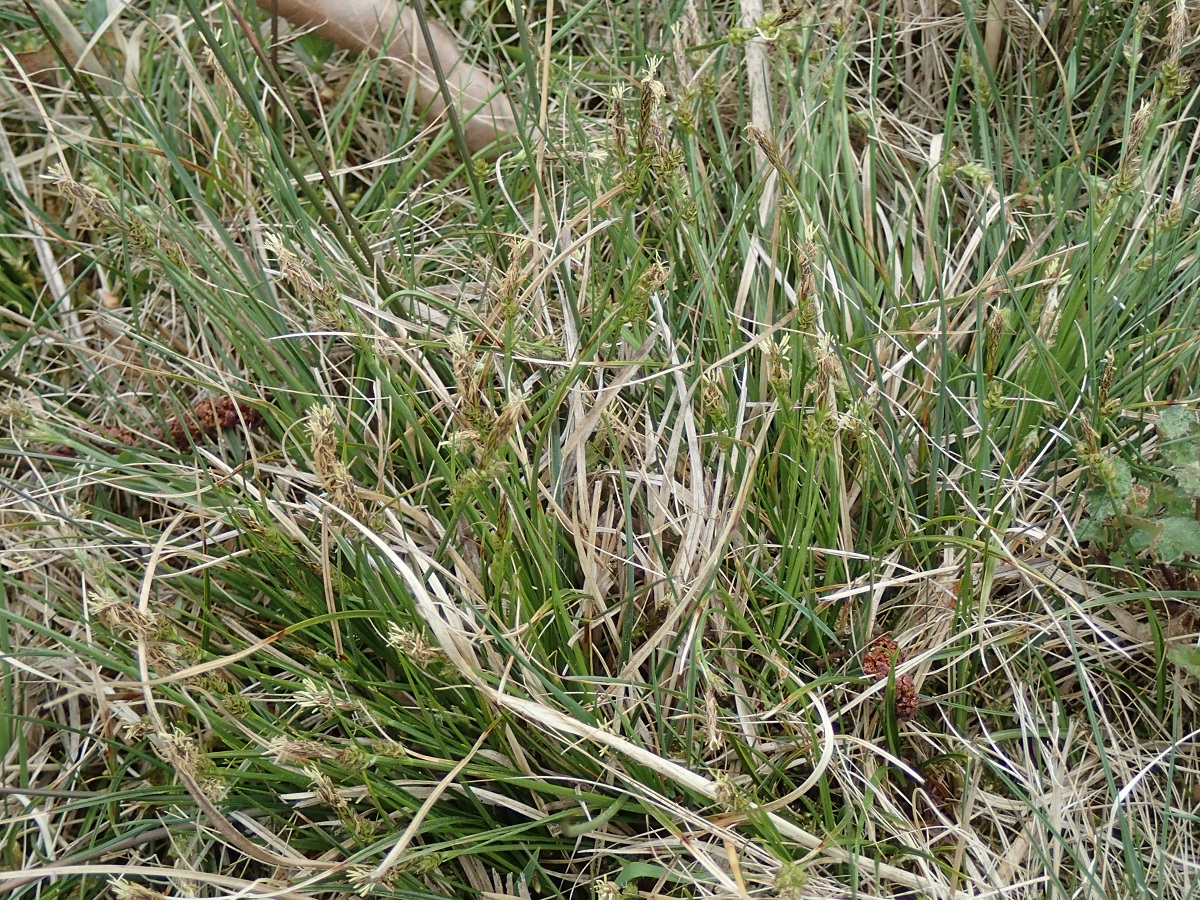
127,890
995,332
1106,377
412,644
653,92
770,149
616,119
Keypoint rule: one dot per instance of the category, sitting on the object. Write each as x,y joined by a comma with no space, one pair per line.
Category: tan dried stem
381,27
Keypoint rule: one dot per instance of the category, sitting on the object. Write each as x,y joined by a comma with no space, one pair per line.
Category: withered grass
710,505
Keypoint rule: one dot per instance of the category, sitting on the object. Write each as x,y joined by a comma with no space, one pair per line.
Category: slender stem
460,140
360,252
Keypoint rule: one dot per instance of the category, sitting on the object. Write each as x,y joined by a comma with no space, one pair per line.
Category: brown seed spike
907,699
178,434
122,435
878,659
206,418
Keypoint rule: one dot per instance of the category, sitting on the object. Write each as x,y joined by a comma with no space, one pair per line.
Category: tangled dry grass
773,480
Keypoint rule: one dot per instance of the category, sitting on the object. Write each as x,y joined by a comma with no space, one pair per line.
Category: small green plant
1155,517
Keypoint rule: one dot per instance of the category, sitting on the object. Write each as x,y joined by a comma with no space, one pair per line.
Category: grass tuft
777,478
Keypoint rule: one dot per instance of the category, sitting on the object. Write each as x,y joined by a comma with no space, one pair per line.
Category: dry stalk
383,28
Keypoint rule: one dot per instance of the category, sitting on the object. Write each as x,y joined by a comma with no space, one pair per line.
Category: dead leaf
383,28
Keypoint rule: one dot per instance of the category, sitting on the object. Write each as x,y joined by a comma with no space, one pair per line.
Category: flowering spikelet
463,360
302,282
184,755
660,146
320,698
461,440
326,793
679,57
322,296
712,722
133,223
120,615
770,149
829,375
364,880
412,644
287,752
1172,77
616,119
1090,437
472,419
648,282
84,195
995,332
1106,378
1131,162
322,439
712,397
788,15
226,91
778,365
1139,126
502,429
128,890
655,277
508,288
653,92
335,477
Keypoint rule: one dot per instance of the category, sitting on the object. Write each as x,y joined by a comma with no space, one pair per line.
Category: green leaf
1176,422
1182,452
1100,505
94,13
633,870
1092,529
1180,442
1122,482
1188,478
1180,536
1141,538
316,47
1188,658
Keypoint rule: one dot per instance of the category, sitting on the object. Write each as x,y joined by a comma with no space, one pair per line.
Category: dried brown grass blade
382,27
